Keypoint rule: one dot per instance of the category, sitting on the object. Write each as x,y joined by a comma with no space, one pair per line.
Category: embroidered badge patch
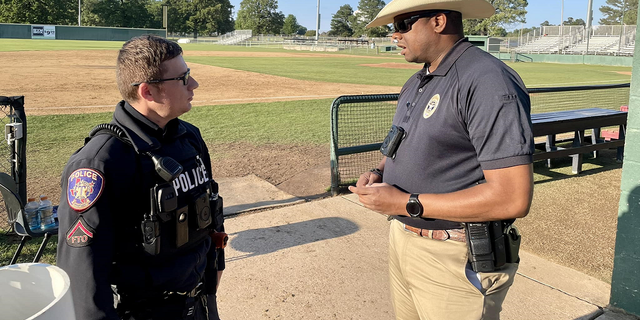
84,188
431,106
80,234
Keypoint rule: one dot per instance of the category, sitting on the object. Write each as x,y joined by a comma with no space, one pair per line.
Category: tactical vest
184,205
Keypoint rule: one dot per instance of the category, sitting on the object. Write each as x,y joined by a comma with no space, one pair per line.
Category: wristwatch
414,207
377,172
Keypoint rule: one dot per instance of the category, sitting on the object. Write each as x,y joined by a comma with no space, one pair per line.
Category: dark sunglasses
403,23
184,78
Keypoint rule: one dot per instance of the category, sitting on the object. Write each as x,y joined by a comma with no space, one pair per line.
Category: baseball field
266,112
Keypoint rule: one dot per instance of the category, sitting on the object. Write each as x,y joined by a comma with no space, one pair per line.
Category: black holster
492,244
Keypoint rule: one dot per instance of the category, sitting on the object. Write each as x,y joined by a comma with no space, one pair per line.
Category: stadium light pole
79,13
624,4
318,22
589,18
562,24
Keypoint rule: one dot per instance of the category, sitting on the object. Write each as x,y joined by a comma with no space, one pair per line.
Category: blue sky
538,11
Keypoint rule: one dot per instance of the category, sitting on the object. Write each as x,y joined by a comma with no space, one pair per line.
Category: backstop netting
13,149
360,123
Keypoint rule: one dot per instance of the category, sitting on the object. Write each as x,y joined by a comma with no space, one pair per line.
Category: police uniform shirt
471,114
105,193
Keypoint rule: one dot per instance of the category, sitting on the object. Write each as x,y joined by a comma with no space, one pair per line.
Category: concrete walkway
327,259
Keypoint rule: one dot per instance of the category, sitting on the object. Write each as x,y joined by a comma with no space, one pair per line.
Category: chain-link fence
13,150
360,123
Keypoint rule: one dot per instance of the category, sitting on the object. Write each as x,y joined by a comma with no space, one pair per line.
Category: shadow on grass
9,244
561,168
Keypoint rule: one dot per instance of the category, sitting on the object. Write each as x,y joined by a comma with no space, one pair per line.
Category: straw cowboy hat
470,9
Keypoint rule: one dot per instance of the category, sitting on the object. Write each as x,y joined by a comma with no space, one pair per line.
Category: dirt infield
70,82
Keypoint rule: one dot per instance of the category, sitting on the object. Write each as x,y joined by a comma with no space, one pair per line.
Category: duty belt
189,294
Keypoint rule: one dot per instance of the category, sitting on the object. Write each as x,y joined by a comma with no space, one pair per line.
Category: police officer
140,217
459,155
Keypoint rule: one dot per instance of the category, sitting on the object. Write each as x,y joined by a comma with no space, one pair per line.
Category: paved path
327,259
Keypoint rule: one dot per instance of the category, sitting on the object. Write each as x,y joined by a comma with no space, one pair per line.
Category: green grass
289,122
350,70
49,45
51,142
326,69
9,244
536,74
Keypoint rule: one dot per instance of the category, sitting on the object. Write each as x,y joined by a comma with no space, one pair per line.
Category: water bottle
32,214
46,213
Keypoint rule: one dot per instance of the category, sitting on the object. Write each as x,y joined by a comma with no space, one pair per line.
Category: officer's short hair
140,60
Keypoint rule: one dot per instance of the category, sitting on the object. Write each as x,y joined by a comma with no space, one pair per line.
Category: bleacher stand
544,44
603,40
597,45
235,37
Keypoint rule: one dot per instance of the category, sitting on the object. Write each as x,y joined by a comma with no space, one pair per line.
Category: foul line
199,101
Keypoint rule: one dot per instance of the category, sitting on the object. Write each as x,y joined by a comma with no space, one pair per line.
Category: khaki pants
429,281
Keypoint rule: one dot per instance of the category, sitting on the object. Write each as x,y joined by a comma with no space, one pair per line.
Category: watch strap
376,171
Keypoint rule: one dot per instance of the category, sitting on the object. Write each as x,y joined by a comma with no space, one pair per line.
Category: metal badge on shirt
84,187
431,106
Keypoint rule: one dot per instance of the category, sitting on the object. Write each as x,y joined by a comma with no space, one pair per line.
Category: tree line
184,16
207,17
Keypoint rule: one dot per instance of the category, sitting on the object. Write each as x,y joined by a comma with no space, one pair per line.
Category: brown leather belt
450,234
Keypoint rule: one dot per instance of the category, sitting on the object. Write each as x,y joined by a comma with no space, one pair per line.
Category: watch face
414,208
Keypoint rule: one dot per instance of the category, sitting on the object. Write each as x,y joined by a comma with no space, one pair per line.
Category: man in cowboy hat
458,156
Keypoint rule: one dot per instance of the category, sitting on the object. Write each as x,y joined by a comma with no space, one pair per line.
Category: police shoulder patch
84,187
80,234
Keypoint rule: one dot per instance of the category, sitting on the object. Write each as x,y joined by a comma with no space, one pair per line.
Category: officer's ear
147,91
440,22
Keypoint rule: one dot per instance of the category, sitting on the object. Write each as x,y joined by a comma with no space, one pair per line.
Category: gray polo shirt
471,114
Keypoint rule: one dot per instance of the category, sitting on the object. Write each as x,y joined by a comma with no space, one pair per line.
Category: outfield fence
359,123
52,32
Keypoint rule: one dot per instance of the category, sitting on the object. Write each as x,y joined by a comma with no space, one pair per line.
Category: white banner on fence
43,32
